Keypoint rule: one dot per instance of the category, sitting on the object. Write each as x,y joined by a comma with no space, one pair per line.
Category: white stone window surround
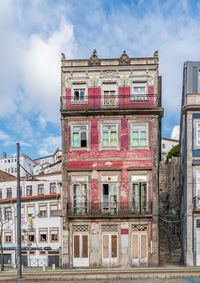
142,92
88,135
102,122
196,129
148,127
78,86
109,93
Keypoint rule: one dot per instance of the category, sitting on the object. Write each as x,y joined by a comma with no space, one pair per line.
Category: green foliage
175,151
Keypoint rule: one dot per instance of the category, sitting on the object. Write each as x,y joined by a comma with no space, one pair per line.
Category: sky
34,33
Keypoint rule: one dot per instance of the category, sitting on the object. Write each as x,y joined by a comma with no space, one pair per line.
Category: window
163,146
139,91
109,246
12,170
0,193
43,211
31,237
52,188
79,94
139,200
139,135
198,134
30,211
109,94
9,193
8,237
53,210
29,190
110,198
79,198
40,189
7,213
15,170
5,161
110,135
0,213
79,136
43,235
54,236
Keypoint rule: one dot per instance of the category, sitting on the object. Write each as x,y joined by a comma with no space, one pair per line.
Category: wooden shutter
76,246
135,246
85,245
114,245
105,246
143,246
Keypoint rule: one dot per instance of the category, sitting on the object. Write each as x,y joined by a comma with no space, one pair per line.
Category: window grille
80,228
109,228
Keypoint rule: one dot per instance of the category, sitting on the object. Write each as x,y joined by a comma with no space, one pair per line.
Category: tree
174,151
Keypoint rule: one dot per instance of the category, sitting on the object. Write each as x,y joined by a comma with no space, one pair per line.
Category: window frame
40,188
29,189
50,233
9,193
39,214
148,130
54,188
88,135
108,122
39,235
7,212
78,86
109,86
139,97
9,234
50,210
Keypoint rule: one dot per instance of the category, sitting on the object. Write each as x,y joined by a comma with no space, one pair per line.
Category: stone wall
169,186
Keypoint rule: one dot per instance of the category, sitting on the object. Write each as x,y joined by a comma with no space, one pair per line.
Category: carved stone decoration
124,59
63,56
94,60
156,54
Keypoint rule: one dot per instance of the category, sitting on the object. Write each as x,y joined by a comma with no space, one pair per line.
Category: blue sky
33,33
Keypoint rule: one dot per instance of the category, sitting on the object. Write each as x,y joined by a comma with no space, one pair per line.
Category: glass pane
136,196
113,139
105,139
113,189
113,127
143,196
135,138
82,94
75,139
198,137
83,139
143,140
76,129
105,127
82,128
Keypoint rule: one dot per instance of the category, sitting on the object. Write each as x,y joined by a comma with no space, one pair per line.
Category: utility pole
19,269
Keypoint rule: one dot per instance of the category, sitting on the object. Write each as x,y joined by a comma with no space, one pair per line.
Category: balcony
70,103
109,209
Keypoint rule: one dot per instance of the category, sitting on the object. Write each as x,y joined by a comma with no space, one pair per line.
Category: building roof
168,139
6,176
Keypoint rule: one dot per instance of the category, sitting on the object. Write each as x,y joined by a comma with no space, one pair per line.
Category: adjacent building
190,162
166,145
111,147
9,165
40,219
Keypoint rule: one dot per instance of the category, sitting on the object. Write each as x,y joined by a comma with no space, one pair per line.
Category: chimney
4,155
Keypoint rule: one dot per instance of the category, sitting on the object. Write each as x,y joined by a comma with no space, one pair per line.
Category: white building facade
40,220
166,146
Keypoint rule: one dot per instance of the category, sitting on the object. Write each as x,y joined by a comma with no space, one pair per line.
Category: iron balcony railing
196,202
109,209
115,101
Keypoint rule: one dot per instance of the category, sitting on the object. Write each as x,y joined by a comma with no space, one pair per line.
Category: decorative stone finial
124,59
155,54
94,60
63,56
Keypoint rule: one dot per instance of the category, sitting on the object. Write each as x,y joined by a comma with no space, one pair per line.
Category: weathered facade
111,125
190,162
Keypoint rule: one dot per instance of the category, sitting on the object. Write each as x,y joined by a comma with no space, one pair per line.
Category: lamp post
19,269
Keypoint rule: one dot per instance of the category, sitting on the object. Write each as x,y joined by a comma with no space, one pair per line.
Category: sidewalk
159,274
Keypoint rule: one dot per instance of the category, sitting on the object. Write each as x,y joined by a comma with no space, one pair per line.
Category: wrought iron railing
109,208
115,101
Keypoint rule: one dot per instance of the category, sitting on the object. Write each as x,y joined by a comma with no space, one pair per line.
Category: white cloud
42,122
175,132
49,145
4,136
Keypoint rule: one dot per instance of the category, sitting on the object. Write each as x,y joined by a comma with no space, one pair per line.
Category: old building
9,164
111,126
166,145
40,219
190,162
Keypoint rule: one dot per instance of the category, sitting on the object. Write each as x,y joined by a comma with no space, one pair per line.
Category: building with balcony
190,162
111,147
41,233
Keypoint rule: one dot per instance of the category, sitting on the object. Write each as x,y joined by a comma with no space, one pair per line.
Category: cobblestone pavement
186,280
